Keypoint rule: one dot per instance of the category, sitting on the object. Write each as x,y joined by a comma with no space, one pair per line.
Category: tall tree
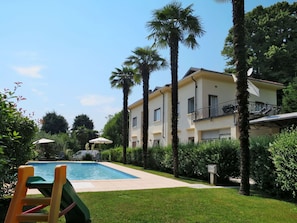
124,79
82,121
169,26
271,42
146,60
53,123
242,94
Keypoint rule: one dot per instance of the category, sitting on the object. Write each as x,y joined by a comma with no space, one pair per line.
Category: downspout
163,115
195,98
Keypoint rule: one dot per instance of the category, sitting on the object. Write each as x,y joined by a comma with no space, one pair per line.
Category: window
157,114
191,140
259,106
191,106
156,142
213,105
134,122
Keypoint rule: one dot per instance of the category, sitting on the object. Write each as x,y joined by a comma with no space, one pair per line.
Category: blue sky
63,51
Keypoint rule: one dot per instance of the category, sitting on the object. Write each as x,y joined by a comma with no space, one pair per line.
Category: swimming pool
79,171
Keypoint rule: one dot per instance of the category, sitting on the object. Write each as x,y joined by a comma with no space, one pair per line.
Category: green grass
163,174
186,205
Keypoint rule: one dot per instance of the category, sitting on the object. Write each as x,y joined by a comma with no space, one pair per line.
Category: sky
63,51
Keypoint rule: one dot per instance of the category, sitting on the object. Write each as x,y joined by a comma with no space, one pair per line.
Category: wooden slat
36,201
33,217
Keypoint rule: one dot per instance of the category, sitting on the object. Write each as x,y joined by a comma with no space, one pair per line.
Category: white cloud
32,71
36,91
94,100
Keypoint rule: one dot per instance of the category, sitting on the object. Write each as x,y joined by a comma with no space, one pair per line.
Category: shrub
87,157
16,133
160,158
223,153
193,158
262,169
284,155
134,156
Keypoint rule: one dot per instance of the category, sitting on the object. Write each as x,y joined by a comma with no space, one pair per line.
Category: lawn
186,205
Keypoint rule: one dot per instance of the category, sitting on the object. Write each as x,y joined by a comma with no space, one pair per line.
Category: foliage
53,123
62,148
113,128
16,133
289,100
223,153
82,121
146,60
193,160
170,26
262,167
87,157
270,41
284,156
83,135
124,79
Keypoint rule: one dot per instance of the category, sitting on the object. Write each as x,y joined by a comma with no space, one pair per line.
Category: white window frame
134,121
157,115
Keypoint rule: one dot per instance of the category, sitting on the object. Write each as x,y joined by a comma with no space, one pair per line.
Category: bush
284,156
134,156
262,169
160,158
16,133
223,153
193,158
87,157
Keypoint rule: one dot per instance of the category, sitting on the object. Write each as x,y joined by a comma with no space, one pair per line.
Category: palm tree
124,78
169,26
242,93
146,60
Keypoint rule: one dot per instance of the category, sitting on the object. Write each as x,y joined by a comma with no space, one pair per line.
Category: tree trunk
125,122
242,94
174,102
145,78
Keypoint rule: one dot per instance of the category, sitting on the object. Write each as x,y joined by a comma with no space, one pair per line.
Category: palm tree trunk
145,118
125,122
174,102
242,94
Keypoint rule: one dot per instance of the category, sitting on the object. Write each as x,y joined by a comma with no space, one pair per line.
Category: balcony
256,109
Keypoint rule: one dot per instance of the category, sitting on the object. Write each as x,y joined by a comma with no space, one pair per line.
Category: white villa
206,109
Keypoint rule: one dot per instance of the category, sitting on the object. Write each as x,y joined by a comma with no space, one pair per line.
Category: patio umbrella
100,140
43,141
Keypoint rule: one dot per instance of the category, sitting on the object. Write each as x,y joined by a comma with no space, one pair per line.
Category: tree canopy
113,128
170,26
82,121
271,42
53,123
289,101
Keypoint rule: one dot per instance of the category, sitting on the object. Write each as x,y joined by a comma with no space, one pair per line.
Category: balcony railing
256,109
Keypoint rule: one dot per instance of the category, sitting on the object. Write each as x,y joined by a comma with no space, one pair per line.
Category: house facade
207,109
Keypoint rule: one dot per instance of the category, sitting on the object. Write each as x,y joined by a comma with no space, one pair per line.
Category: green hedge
193,158
262,169
273,160
284,157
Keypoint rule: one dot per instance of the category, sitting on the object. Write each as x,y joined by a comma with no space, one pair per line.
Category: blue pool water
79,171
